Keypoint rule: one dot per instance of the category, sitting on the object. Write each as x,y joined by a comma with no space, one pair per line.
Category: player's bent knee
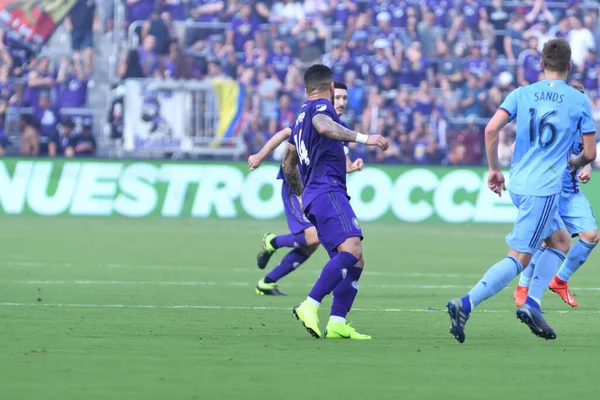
309,250
560,240
590,237
353,246
311,237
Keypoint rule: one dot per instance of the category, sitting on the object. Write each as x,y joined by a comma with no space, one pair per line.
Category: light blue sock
545,269
578,254
527,274
494,280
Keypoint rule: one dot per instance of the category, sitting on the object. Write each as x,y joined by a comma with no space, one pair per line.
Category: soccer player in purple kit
303,237
314,166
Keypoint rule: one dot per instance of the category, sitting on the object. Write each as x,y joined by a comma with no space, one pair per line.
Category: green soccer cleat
268,289
308,315
341,330
266,251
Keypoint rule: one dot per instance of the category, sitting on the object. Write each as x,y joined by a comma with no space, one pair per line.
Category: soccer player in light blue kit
575,211
550,116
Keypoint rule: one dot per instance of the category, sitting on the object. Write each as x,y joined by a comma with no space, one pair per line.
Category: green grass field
166,309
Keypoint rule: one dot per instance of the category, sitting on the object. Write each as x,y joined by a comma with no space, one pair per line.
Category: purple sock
289,240
290,262
345,293
332,274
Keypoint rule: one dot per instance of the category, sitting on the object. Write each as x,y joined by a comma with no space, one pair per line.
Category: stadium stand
427,74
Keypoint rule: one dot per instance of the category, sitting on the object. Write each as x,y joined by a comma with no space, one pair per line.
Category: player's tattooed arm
255,160
332,130
289,165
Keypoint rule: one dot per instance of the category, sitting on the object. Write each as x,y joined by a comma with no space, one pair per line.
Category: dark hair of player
556,55
340,85
317,78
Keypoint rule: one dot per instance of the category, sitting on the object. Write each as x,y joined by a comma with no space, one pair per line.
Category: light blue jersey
550,116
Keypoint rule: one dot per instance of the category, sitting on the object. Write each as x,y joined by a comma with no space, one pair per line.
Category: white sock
335,318
313,302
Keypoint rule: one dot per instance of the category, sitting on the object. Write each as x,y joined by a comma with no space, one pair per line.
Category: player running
314,166
550,116
575,211
303,235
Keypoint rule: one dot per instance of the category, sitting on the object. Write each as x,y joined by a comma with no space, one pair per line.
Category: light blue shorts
536,220
575,210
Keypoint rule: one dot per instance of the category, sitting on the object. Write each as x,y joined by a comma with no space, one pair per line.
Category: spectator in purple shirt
242,28
280,59
383,63
334,60
473,11
529,63
46,117
341,10
591,71
176,8
477,65
72,85
384,30
443,10
139,10
207,11
148,56
38,80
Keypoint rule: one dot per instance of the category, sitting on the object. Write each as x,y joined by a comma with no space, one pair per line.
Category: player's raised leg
289,263
298,225
520,294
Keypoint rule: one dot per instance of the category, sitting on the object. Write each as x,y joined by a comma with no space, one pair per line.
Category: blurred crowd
46,100
425,73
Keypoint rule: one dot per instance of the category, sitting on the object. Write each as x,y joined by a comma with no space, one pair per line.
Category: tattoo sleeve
291,171
331,129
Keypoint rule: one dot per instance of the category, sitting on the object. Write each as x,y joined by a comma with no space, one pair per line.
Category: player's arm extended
332,130
255,160
587,155
492,133
289,165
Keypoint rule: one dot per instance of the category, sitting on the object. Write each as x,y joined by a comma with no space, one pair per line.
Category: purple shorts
334,219
296,220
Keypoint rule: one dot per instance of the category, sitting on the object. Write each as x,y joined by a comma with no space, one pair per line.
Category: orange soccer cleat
561,288
520,295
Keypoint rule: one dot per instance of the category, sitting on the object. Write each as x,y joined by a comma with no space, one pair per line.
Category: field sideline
165,309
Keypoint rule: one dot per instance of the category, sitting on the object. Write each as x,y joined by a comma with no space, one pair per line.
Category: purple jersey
530,61
441,9
281,63
148,61
322,160
176,8
140,10
477,66
243,31
73,92
470,12
48,120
